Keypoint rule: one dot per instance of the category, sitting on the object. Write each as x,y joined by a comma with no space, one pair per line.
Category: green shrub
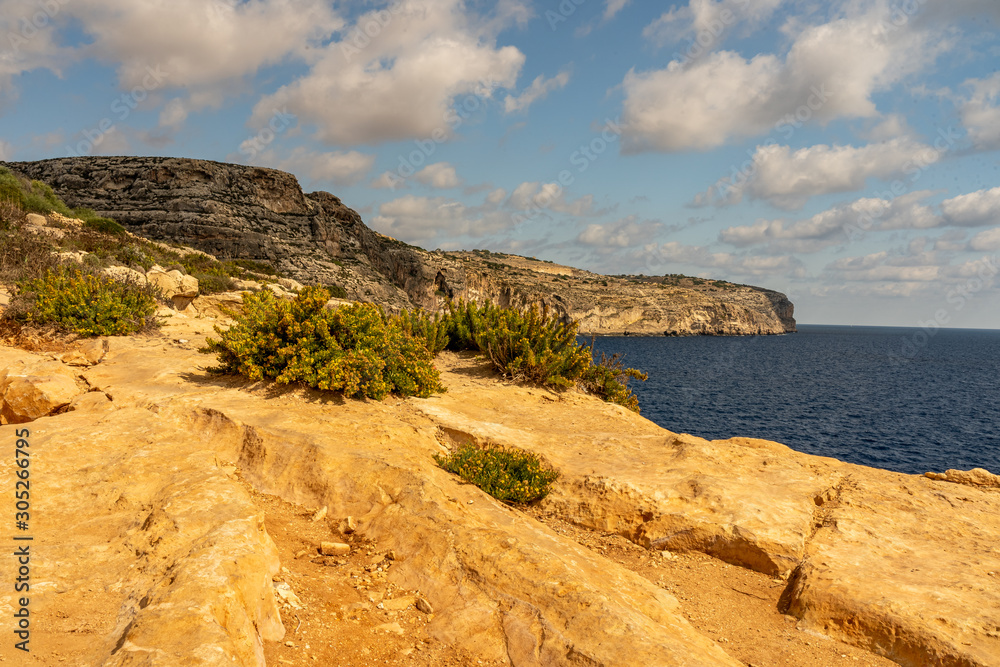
336,291
210,283
86,304
93,221
609,378
263,268
509,475
355,349
131,253
431,329
533,346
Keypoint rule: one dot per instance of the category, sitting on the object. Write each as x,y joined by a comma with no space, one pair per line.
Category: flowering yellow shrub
355,349
509,475
89,305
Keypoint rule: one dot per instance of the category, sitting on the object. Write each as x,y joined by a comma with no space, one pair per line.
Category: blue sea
902,399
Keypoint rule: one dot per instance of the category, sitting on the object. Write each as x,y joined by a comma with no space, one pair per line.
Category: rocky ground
174,517
239,212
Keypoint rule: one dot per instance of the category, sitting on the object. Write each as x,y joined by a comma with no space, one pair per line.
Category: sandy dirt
341,622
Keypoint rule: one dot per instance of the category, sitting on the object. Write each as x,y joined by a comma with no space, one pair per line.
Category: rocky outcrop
29,390
233,211
904,566
146,486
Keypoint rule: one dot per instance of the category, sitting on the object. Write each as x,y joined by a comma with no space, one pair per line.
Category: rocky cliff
234,211
154,549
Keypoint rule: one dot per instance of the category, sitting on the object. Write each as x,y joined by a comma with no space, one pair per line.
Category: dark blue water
891,398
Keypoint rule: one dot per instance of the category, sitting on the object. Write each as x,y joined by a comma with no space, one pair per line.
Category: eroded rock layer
241,212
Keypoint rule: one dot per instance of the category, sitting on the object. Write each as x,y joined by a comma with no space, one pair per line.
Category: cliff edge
240,212
153,552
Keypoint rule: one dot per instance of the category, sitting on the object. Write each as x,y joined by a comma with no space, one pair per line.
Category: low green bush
263,268
609,377
355,349
509,475
211,283
85,304
532,346
99,224
336,291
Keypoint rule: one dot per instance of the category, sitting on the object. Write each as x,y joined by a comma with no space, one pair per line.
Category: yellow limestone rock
152,554
902,565
29,390
975,477
502,586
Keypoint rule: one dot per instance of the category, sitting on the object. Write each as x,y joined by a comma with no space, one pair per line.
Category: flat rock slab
908,567
158,498
141,488
902,565
145,551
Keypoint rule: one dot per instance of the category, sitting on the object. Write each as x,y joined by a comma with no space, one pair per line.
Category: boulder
35,389
173,283
290,284
248,285
36,220
214,305
72,256
975,477
125,274
85,353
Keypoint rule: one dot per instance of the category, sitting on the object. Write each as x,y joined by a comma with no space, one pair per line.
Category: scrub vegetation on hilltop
365,352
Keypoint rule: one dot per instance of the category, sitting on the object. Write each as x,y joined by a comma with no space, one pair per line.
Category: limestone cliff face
235,211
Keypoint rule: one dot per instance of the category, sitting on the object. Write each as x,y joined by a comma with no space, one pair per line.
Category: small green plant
99,224
509,475
132,253
85,304
336,291
263,268
210,283
609,377
355,349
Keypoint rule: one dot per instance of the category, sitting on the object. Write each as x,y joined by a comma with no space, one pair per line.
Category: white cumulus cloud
788,179
832,70
338,167
976,209
440,175
401,81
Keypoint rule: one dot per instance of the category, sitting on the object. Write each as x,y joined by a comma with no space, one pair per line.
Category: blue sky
843,152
